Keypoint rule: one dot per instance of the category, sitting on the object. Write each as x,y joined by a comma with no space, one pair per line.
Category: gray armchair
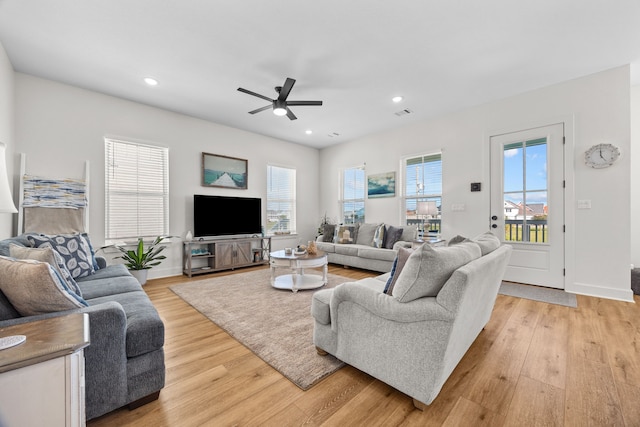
412,346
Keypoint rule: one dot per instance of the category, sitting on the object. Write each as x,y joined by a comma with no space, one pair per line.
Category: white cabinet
42,379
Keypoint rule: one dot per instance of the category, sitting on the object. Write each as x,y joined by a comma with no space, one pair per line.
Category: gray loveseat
413,338
124,364
360,252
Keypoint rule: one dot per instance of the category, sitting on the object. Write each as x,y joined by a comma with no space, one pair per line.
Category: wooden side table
42,379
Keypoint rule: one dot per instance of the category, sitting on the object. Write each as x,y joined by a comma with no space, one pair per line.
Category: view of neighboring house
515,211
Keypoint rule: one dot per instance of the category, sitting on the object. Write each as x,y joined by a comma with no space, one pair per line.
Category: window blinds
353,193
136,190
281,199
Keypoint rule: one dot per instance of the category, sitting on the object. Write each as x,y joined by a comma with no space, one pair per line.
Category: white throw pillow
429,268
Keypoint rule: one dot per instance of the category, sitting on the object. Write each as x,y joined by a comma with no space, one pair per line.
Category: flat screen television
226,216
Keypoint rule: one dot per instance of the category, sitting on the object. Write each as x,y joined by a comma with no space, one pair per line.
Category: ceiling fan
280,105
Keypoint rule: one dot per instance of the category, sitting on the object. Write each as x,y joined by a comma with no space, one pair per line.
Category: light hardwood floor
535,364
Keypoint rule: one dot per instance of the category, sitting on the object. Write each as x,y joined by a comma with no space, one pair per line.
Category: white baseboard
625,295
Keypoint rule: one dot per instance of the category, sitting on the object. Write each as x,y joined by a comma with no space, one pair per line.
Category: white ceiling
354,55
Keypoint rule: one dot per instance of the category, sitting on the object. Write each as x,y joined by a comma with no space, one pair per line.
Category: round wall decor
601,156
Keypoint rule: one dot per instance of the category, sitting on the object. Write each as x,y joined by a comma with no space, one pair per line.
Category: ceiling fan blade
284,92
304,102
260,109
255,94
291,115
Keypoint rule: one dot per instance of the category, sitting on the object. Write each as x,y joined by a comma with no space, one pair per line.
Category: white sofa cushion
428,268
347,250
375,253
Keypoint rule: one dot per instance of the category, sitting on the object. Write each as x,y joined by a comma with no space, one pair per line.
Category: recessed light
150,81
308,131
397,99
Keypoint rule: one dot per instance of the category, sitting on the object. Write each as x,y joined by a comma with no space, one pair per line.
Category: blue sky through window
534,180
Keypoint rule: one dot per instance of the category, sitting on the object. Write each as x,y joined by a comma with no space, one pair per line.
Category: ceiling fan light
279,111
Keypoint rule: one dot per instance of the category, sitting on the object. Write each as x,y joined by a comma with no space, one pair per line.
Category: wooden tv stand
207,256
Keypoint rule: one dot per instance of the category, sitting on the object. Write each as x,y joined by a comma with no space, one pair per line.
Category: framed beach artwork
223,171
381,185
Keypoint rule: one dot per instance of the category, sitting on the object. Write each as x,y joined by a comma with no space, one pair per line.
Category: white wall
635,176
60,126
598,240
6,129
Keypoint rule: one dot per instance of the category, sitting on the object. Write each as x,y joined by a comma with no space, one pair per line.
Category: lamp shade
427,208
6,199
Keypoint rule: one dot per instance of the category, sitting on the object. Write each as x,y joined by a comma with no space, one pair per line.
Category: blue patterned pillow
73,248
378,237
93,252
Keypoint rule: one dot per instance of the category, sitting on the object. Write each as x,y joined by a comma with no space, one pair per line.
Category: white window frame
350,175
424,188
279,196
137,194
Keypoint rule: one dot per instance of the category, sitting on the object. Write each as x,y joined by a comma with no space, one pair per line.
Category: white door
527,203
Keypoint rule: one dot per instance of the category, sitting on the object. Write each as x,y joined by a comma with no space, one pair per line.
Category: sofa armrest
386,306
401,244
106,358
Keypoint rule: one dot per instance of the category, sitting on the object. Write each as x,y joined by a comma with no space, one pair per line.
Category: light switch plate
584,204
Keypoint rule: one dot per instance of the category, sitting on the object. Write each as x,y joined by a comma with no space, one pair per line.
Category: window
281,200
136,190
525,191
353,187
423,183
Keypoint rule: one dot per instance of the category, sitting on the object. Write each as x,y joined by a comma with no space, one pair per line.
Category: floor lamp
6,199
426,209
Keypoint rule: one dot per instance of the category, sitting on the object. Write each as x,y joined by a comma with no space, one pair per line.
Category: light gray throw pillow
365,234
487,242
34,287
429,268
409,233
48,255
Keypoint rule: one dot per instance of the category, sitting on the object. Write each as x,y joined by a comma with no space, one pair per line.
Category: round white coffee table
298,279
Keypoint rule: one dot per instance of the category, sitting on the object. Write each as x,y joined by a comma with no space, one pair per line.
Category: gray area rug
539,293
274,324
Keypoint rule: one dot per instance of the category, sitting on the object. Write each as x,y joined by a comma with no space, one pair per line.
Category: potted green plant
140,260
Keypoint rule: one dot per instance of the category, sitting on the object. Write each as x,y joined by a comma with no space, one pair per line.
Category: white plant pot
141,275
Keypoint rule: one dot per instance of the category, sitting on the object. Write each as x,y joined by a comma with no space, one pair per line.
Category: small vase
189,236
141,275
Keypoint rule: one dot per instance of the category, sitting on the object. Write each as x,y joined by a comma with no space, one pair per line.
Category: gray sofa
361,253
412,341
124,364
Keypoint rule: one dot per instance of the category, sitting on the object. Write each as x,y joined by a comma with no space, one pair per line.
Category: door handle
494,218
